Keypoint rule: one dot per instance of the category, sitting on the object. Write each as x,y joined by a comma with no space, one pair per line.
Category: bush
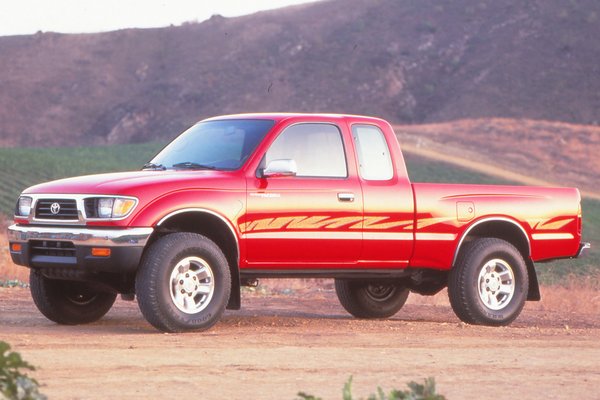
9,283
416,392
13,383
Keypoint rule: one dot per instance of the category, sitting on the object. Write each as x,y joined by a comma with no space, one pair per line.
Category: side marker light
100,252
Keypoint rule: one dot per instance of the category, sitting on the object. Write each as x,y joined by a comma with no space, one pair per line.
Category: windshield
221,145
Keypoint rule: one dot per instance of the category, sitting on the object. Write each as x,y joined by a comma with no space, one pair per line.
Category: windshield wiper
192,165
153,166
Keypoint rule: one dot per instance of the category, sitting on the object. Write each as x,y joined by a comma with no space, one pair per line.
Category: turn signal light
100,252
16,247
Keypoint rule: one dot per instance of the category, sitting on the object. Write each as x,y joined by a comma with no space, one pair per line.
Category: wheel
69,302
370,299
489,283
183,283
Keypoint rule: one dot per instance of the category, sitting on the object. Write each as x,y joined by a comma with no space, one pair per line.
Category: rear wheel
183,283
370,299
489,283
69,302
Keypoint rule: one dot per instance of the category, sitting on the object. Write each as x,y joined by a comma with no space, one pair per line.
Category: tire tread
353,298
458,281
55,307
148,279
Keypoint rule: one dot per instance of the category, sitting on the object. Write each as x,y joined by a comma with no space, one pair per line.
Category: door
388,200
310,217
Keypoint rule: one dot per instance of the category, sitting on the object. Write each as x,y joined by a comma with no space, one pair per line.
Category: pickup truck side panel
548,218
283,221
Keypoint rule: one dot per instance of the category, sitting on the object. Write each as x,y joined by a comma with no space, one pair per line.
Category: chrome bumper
81,236
582,248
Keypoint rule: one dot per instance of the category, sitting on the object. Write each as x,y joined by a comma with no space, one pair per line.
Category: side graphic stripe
436,236
552,236
323,221
388,236
331,235
304,235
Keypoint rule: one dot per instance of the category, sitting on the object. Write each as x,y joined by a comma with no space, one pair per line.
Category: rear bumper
71,247
583,247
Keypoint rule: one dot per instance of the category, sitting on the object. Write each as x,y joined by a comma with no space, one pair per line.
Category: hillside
535,152
408,61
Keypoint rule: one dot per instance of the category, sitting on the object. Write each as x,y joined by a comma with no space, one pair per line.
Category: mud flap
533,294
235,298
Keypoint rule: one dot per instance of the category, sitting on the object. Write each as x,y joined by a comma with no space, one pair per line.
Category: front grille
52,248
63,209
91,207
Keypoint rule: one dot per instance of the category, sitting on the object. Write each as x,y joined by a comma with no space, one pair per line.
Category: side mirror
279,168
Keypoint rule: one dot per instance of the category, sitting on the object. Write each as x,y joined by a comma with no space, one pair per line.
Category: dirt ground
288,340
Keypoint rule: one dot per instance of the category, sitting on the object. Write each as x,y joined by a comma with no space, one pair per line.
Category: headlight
109,207
105,208
24,206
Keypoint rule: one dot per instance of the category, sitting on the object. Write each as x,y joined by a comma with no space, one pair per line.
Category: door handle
347,197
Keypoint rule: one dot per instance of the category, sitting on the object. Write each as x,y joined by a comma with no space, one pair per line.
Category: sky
24,17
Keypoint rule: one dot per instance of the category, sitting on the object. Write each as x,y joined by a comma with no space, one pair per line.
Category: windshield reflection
220,145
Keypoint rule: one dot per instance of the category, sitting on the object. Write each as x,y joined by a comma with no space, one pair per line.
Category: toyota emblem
55,208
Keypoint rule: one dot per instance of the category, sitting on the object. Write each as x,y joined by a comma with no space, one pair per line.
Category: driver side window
317,149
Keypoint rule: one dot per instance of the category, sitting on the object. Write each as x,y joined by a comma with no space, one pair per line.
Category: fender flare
235,299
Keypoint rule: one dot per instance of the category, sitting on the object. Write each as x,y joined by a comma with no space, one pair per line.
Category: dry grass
578,295
8,270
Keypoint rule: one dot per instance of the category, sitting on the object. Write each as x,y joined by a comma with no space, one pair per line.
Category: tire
69,302
489,283
183,283
370,299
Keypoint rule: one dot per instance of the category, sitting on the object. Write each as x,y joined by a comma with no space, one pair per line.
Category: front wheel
371,299
489,283
69,302
183,283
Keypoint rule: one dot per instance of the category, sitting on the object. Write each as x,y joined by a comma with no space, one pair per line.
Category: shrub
9,283
416,391
13,383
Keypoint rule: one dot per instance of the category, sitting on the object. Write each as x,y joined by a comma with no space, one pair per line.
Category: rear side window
375,162
317,149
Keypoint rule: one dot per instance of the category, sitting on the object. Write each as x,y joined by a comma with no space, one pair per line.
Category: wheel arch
215,227
509,231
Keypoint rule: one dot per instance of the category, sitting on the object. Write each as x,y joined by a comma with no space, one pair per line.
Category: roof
281,116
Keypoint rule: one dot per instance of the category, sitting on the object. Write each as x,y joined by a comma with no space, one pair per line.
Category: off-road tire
364,299
468,283
155,283
69,302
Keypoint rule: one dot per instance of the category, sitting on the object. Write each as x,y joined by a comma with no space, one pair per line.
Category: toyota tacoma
241,197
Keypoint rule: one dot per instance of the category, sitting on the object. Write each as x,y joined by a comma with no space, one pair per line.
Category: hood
138,182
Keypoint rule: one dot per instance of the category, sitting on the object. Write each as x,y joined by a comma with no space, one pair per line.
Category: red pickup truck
240,197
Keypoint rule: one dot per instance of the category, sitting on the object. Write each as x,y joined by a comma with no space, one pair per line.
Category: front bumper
71,247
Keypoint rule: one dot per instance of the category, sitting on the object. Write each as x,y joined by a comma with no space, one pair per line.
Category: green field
20,168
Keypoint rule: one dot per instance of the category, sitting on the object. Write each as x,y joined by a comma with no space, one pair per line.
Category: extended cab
240,197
